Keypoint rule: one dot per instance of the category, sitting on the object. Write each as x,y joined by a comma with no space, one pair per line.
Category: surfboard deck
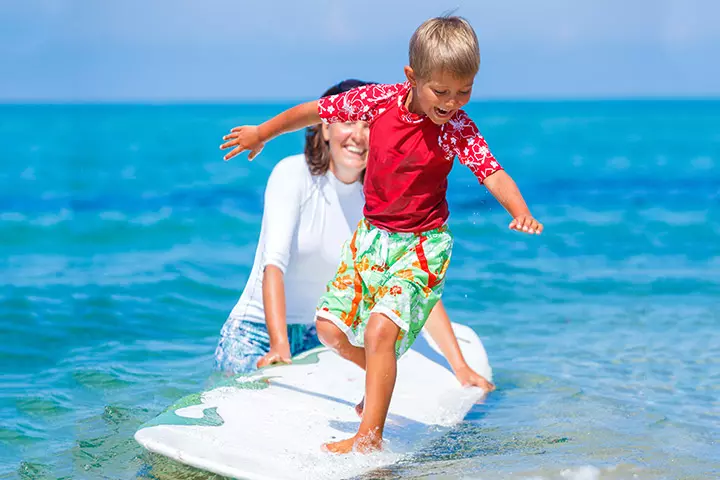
270,424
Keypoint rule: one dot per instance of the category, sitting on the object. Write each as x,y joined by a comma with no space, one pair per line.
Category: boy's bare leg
334,338
360,407
381,371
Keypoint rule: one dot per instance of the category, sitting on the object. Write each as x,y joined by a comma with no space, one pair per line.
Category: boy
392,270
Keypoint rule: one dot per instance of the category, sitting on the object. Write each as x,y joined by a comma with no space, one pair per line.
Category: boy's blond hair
446,44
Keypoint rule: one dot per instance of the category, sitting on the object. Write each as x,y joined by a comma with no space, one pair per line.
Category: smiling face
440,95
348,144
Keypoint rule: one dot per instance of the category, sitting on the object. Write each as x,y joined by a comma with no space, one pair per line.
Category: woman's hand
277,354
470,378
243,138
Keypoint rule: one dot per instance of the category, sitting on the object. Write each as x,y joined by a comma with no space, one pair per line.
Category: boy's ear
410,74
325,132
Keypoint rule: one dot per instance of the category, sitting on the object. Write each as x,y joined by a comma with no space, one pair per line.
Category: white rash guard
305,223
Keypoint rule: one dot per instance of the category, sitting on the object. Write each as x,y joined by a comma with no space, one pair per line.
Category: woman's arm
275,319
439,327
281,215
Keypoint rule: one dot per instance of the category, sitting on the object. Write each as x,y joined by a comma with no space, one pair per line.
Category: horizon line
283,101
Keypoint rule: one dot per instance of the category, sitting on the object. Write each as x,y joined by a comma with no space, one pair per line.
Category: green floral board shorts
400,275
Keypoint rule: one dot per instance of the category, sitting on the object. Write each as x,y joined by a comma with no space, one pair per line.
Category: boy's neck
409,102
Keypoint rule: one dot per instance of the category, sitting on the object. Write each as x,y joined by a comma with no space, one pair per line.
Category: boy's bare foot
360,407
362,444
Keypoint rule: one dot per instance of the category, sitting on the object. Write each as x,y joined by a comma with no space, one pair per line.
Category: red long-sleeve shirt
410,157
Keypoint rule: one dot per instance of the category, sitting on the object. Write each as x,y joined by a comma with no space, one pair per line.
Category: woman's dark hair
317,150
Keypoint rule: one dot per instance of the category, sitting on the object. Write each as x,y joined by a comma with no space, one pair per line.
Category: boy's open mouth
441,113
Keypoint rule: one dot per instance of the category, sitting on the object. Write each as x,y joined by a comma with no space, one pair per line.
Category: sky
273,50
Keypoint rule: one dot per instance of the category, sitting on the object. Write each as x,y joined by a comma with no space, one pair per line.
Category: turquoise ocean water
125,240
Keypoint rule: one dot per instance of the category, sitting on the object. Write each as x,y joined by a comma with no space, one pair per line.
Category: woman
312,204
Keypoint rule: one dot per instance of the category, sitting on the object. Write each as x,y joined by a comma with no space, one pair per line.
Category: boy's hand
527,224
470,378
243,138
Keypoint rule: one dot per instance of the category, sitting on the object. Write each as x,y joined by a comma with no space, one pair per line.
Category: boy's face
439,96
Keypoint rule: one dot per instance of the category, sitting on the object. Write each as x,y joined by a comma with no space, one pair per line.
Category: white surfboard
270,425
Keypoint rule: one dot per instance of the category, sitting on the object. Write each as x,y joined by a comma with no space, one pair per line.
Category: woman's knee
381,333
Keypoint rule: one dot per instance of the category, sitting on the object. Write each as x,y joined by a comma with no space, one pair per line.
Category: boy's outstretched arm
253,138
504,189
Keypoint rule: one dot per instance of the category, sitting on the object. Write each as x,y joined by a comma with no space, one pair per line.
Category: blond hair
445,44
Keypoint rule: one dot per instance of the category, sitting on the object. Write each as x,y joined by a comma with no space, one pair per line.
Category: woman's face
348,144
